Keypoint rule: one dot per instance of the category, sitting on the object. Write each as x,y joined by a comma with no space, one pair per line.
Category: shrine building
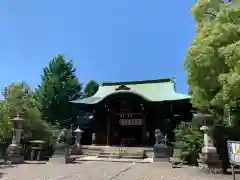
128,113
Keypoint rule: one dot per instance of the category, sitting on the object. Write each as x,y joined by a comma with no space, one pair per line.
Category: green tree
19,99
5,124
58,87
91,88
212,61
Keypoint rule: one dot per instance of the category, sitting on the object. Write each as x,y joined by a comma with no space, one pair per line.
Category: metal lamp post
15,151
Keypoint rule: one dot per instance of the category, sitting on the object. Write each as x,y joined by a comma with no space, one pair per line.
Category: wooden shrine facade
126,116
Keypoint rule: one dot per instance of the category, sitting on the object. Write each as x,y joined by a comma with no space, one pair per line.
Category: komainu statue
160,147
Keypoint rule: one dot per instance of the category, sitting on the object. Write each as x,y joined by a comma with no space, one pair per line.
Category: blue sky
109,40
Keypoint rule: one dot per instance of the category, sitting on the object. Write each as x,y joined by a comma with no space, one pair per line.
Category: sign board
234,152
131,122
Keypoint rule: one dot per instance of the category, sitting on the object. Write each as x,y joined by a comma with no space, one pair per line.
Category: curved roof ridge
162,80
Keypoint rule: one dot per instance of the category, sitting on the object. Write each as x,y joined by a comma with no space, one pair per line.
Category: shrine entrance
128,131
131,136
126,124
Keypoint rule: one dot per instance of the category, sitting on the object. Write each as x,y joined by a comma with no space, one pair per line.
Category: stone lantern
15,151
77,147
207,121
208,158
78,132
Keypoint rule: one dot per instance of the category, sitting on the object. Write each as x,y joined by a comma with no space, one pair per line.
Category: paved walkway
90,170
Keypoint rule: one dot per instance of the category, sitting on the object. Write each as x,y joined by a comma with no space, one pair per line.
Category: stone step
107,156
91,152
117,154
123,153
122,156
133,156
57,160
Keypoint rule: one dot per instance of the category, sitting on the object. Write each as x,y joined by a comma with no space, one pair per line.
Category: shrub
190,140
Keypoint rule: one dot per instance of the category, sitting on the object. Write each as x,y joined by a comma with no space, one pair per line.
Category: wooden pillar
144,130
108,128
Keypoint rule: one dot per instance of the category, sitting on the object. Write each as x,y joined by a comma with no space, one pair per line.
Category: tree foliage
189,138
213,59
58,87
91,88
5,123
19,100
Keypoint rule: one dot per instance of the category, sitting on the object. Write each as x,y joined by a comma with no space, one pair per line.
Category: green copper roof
151,90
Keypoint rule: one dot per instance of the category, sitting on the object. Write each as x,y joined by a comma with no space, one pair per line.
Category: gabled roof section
150,90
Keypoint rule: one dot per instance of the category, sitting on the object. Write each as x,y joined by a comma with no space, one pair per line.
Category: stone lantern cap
204,128
203,115
78,130
38,141
91,116
18,123
205,118
157,131
17,118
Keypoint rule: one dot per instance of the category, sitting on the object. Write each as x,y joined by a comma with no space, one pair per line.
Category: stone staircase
92,151
122,152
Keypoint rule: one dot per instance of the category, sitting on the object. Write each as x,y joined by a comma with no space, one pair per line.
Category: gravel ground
104,171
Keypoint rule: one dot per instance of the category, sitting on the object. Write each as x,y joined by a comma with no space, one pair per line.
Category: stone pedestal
15,154
160,153
76,150
68,157
176,157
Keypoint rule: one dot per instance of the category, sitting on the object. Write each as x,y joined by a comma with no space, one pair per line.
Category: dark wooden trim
108,129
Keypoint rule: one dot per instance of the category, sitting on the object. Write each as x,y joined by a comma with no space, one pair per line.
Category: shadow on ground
35,162
229,171
1,175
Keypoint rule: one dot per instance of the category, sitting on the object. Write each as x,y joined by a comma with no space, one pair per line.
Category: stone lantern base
76,150
15,154
209,160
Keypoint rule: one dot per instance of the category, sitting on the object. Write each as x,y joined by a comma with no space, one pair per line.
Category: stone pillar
209,158
18,133
93,138
78,140
208,142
